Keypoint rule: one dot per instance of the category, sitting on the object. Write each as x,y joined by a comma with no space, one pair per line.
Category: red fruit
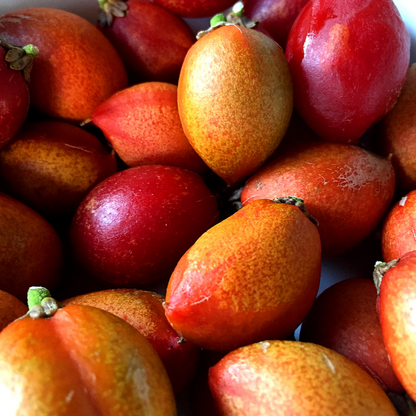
251,277
348,64
344,319
133,227
144,310
151,40
397,300
11,309
143,126
77,67
14,100
346,188
195,8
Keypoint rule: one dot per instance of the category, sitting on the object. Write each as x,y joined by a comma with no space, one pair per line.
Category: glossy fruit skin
11,309
276,16
133,227
143,126
397,237
348,64
243,281
14,100
235,100
294,378
346,188
151,41
144,311
94,363
396,301
344,319
195,8
31,250
395,135
77,67
52,165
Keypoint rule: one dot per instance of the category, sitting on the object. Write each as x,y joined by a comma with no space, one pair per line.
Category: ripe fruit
294,378
346,188
52,165
133,227
344,319
151,40
348,64
143,126
144,310
77,67
11,309
195,8
251,277
30,249
235,100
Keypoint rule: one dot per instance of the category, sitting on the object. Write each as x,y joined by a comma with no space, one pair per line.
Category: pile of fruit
177,193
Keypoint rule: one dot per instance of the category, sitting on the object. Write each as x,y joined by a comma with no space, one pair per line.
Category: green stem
31,50
218,18
36,294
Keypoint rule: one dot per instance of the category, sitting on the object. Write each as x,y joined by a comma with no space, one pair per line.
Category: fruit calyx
110,10
297,202
380,269
40,303
20,58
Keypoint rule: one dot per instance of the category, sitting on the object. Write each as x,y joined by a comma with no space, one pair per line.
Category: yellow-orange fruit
251,277
294,378
235,99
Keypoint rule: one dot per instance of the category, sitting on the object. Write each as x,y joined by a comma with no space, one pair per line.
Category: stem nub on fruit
297,202
110,10
40,303
380,269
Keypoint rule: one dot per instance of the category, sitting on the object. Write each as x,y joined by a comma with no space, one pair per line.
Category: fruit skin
52,165
77,67
143,126
81,361
30,249
395,134
396,301
133,227
344,319
296,378
11,308
346,188
235,100
151,41
195,8
348,64
14,100
397,236
243,281
144,310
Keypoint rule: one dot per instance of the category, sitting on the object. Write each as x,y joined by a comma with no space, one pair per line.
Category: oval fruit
348,64
235,100
77,67
133,227
251,277
294,378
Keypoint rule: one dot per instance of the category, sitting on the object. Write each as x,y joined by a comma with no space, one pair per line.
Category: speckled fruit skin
133,227
235,100
294,378
251,277
52,165
11,308
151,41
143,126
276,16
397,237
346,188
195,8
14,100
344,319
81,361
144,310
395,134
30,249
348,61
77,67
397,300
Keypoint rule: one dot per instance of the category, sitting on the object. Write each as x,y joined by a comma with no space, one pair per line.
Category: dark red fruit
196,8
